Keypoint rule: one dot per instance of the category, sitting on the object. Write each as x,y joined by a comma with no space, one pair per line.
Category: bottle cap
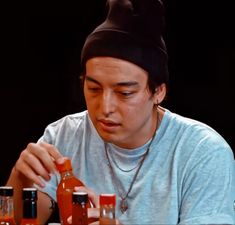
6,191
80,197
107,199
64,166
29,194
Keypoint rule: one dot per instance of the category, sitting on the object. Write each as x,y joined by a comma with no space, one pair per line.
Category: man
164,168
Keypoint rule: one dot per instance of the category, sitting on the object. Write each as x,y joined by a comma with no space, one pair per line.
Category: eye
94,89
125,93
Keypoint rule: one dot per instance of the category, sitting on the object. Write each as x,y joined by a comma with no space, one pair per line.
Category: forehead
108,68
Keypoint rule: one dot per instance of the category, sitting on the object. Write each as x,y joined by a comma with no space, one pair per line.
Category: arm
209,189
36,160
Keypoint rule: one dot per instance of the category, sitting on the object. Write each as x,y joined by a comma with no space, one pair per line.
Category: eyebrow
88,78
124,83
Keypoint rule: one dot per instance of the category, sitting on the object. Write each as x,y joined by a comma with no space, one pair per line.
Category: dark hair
153,80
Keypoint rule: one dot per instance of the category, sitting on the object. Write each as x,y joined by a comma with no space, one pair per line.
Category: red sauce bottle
65,190
107,209
6,206
79,212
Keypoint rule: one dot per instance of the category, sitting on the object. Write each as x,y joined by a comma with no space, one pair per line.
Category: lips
108,125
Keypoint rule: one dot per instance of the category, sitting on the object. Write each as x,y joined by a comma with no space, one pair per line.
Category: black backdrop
40,67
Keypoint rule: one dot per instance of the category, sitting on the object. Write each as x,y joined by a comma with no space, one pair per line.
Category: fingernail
60,160
76,188
42,185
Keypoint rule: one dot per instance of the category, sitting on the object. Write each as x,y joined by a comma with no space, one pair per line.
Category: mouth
108,122
108,125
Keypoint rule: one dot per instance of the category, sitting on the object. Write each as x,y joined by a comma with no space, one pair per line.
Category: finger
69,220
27,171
42,161
60,160
53,151
46,153
93,212
36,166
91,194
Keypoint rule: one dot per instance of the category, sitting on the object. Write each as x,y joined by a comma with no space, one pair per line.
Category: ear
160,93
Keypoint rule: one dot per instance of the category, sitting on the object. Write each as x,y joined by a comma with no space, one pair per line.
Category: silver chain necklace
123,204
127,170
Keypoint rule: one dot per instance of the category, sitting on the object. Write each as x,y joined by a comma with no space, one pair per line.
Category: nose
108,103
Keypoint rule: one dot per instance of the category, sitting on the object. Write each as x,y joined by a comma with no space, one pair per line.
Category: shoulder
192,128
72,119
70,123
67,126
192,138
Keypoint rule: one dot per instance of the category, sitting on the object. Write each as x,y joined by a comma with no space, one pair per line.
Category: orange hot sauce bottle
29,207
6,206
65,190
107,209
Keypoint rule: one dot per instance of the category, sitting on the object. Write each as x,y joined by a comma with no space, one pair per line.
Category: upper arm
209,189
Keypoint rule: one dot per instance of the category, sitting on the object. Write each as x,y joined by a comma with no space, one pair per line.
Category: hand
37,160
94,212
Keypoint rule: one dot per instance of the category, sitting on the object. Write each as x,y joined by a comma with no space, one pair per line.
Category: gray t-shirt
188,176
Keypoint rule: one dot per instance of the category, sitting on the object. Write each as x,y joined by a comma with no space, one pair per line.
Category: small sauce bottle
7,206
79,209
65,190
29,196
107,209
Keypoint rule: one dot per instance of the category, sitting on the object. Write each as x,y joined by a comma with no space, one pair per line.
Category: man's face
119,102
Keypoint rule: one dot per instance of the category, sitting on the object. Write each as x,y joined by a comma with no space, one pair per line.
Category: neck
141,138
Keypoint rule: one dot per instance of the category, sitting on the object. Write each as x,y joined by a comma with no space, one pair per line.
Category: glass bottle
107,209
7,206
29,196
79,208
65,190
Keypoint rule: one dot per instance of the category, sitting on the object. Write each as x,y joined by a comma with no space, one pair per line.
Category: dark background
40,55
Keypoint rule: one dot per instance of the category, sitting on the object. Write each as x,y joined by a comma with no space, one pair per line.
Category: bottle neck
66,174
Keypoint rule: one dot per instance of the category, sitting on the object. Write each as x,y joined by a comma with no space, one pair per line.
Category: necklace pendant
123,205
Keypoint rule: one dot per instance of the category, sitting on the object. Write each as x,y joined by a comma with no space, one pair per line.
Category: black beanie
132,31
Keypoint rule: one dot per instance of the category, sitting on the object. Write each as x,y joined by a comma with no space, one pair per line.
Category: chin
107,138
